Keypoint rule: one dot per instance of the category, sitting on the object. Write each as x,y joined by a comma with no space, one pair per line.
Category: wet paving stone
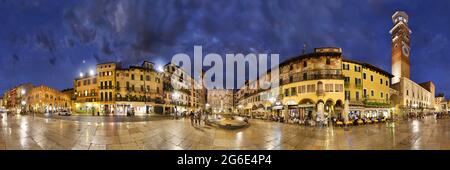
37,133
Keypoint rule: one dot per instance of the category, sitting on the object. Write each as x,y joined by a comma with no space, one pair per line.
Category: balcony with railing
133,98
105,87
313,75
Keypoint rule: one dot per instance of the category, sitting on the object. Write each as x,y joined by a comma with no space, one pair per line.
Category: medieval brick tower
400,46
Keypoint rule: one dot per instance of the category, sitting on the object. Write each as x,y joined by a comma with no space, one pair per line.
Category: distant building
43,99
39,99
220,100
441,104
1,102
14,98
182,91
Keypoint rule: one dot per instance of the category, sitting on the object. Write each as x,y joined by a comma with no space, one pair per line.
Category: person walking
205,118
191,116
199,118
195,118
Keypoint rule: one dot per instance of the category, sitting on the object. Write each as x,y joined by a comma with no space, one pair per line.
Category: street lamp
81,75
23,105
23,92
272,100
91,72
160,69
175,97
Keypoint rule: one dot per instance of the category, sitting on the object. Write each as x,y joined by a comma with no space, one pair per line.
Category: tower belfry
400,46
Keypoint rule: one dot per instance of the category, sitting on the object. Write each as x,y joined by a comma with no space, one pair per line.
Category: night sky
50,41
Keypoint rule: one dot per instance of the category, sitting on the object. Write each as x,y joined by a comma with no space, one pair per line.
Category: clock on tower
400,46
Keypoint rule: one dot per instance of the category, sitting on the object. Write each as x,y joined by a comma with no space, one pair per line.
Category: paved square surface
37,133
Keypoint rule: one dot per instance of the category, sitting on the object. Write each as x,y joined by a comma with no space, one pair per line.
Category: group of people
415,115
320,121
422,115
442,115
323,120
197,117
276,118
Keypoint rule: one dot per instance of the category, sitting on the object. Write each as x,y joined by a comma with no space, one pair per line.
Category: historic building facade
182,91
14,98
320,82
441,104
38,99
43,99
367,88
119,91
220,100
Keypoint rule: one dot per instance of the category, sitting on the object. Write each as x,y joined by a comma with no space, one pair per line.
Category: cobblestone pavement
36,133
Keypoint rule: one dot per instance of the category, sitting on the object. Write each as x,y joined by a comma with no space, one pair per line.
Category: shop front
293,113
367,112
355,112
376,113
88,108
306,111
134,108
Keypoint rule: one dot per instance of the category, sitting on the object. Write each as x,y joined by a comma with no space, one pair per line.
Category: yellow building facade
367,88
119,91
43,99
319,84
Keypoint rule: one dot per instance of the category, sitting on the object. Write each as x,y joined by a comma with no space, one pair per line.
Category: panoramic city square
39,133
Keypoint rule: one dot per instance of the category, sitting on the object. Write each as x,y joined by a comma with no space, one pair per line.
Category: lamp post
23,102
23,105
207,108
272,101
175,97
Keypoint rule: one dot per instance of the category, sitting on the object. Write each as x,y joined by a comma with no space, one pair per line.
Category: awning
292,106
277,107
306,105
356,108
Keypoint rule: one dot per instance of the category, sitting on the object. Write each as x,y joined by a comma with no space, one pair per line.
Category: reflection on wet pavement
27,132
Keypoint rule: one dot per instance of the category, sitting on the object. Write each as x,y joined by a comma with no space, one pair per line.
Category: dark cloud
106,49
97,58
45,41
69,42
78,26
15,58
